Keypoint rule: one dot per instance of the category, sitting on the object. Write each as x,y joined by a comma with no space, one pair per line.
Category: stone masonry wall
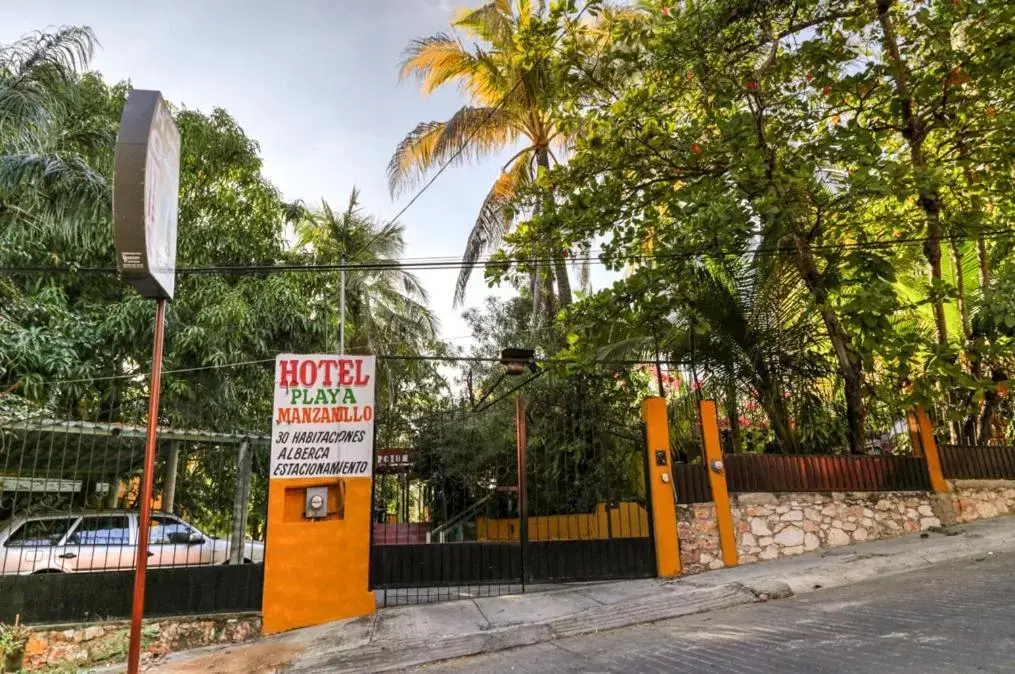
979,499
699,538
769,526
86,645
782,525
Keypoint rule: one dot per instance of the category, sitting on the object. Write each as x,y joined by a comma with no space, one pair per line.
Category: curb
665,605
676,598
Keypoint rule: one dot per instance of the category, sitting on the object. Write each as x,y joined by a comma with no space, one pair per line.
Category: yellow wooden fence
627,520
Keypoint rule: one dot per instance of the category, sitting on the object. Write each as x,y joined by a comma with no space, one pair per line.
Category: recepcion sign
323,419
146,187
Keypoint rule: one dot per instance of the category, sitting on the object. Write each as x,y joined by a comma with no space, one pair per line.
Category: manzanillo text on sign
323,421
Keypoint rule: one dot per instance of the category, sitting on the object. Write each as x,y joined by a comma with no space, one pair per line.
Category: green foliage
13,639
829,148
78,345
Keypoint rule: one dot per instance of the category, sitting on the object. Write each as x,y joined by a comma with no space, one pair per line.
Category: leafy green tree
78,345
45,180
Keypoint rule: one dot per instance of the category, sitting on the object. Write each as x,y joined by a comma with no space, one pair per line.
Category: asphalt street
956,617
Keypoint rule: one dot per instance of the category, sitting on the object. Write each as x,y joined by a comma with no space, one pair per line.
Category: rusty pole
521,440
144,517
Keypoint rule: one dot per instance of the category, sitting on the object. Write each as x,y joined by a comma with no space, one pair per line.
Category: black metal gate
455,517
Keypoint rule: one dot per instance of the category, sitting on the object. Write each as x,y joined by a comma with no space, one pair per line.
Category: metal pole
240,499
341,312
523,506
169,488
113,496
141,560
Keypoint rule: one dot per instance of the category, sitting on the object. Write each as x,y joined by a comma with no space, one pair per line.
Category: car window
39,533
162,526
101,530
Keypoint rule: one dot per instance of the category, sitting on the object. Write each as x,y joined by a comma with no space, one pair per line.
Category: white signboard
323,421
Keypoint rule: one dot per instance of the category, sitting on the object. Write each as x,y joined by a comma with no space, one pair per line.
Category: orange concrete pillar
717,480
929,449
660,488
317,570
317,554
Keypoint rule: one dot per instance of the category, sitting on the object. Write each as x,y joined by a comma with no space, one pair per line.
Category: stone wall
87,645
769,526
782,525
979,499
698,537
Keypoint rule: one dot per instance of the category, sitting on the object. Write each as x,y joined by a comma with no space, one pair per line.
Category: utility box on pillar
317,560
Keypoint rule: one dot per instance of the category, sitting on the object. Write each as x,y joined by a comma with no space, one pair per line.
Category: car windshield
39,533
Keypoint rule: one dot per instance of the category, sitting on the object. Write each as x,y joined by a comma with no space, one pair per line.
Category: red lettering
361,379
288,378
328,365
368,413
345,373
308,373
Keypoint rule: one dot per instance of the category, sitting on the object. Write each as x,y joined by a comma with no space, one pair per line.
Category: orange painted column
717,480
660,488
317,570
930,455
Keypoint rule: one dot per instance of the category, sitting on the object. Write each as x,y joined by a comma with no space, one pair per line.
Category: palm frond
59,183
491,22
637,347
34,73
493,221
470,133
67,49
436,60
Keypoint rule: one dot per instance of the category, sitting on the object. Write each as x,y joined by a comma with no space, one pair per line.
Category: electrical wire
458,153
441,263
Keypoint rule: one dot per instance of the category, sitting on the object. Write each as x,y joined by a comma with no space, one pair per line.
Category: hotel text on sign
323,420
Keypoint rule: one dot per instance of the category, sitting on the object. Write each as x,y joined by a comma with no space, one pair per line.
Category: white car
106,540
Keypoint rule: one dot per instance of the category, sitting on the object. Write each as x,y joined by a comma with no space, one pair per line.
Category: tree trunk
850,365
778,416
989,405
915,132
564,294
733,416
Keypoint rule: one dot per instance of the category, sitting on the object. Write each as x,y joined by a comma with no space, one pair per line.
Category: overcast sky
315,82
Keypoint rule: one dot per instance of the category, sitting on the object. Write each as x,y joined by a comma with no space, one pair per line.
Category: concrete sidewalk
397,638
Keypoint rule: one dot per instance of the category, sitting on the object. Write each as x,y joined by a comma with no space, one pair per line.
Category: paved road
952,618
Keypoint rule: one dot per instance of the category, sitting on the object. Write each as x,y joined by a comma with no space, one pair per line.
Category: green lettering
348,397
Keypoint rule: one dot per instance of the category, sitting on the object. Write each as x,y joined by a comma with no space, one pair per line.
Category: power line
458,153
438,263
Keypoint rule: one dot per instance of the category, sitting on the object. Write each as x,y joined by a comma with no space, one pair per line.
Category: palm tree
44,181
509,105
386,307
752,335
